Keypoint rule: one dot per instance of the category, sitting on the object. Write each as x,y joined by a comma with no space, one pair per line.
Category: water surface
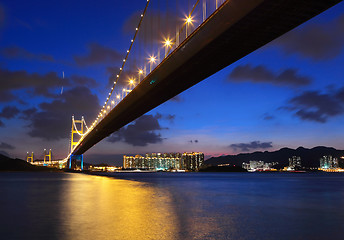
171,206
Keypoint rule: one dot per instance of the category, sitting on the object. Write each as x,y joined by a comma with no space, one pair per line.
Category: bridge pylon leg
74,142
70,161
76,157
82,162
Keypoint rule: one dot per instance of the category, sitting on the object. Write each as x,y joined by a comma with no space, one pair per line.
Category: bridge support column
82,162
70,161
76,158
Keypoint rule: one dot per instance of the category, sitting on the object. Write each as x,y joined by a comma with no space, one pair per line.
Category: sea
55,205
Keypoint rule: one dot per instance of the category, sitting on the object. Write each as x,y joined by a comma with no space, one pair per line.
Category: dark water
171,206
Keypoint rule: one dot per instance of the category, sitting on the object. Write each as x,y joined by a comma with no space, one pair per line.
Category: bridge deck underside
232,32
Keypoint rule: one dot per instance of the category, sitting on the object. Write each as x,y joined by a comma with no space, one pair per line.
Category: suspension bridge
46,159
212,35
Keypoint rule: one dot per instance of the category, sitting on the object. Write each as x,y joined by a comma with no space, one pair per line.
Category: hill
9,164
309,157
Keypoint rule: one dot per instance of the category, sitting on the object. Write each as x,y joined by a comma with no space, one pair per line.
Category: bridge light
188,21
131,81
117,75
152,59
108,107
112,102
140,71
167,43
118,96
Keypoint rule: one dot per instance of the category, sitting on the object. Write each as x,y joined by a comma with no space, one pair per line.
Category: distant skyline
289,93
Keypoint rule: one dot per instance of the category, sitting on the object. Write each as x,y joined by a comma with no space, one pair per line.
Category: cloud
267,116
53,120
251,146
6,96
169,117
2,124
4,145
4,153
26,114
317,106
9,112
260,74
193,141
139,133
84,81
21,53
316,41
98,54
39,84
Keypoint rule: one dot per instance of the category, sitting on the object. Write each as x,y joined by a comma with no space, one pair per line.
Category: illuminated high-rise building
192,161
165,161
295,162
328,162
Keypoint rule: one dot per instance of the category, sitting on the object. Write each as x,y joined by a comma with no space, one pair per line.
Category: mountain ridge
310,157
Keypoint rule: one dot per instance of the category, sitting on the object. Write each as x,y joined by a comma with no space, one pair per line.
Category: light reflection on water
107,208
171,206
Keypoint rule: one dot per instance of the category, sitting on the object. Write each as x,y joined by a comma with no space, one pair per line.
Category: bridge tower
47,156
29,157
74,142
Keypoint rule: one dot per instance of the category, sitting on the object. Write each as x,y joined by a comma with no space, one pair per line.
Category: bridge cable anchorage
124,61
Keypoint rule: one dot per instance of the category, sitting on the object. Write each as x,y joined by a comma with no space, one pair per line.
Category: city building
253,166
328,162
294,163
165,161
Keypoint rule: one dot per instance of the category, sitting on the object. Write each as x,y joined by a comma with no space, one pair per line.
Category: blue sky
288,93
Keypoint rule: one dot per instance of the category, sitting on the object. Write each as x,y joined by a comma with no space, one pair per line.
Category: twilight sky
288,93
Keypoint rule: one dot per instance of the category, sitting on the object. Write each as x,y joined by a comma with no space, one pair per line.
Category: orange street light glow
189,20
152,59
167,43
